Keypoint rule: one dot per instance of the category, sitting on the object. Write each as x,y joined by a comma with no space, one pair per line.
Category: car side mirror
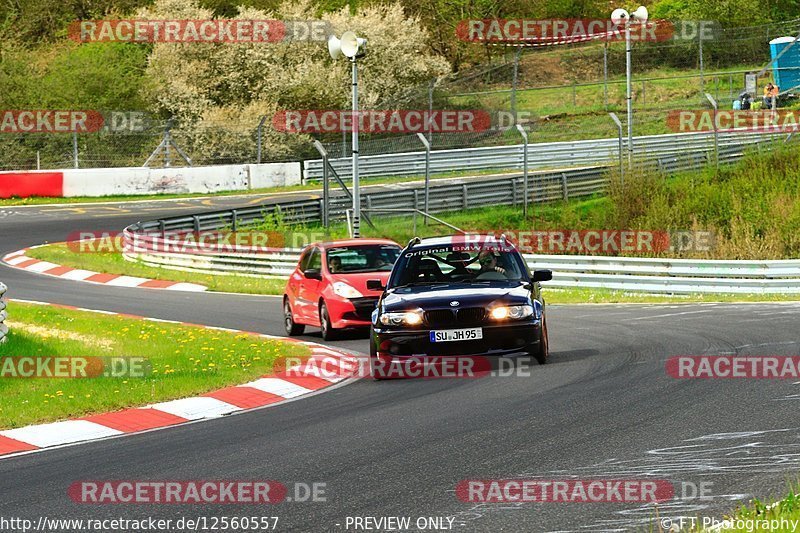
312,273
375,285
542,275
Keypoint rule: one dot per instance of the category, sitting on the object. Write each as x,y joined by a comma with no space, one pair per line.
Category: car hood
467,295
358,280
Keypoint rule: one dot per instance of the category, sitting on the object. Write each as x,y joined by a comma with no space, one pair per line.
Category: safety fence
652,148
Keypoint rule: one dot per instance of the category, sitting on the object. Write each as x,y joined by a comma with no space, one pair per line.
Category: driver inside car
335,265
488,262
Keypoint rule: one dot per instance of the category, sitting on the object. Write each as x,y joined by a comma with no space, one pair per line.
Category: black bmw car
459,296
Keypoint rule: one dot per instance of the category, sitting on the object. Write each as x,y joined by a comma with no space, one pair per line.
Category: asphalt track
603,408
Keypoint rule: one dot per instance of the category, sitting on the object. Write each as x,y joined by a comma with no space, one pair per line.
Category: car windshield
362,258
458,263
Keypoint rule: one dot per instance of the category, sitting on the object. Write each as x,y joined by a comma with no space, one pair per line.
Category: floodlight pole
356,190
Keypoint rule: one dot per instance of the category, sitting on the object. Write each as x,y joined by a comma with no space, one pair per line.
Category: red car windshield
362,258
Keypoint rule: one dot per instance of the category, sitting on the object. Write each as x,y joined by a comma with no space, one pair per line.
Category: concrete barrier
141,180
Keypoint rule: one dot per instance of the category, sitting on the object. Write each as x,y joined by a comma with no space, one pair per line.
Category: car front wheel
542,349
328,333
375,370
289,324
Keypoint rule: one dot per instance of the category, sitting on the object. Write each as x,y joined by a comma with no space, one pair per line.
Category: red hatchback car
328,288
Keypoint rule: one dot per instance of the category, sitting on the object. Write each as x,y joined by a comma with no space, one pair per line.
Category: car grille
471,314
455,317
364,307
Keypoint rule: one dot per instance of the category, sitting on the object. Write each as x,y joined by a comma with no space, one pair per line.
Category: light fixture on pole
352,47
621,17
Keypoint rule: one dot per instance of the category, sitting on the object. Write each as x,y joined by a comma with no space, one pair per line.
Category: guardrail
634,274
445,195
145,240
672,276
3,314
540,155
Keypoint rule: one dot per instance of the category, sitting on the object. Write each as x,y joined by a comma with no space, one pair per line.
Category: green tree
37,21
219,88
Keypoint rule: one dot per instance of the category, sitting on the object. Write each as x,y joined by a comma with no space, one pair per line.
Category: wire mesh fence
557,93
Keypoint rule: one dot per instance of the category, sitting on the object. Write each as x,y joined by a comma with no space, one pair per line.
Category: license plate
450,335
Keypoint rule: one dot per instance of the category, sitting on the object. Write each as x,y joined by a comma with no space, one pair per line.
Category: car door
295,281
308,292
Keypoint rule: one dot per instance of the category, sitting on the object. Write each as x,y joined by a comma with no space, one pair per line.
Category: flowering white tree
222,89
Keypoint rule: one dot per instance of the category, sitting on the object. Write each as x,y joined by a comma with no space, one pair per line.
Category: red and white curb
268,390
18,259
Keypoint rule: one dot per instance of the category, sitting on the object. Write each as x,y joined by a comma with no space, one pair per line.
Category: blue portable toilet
785,79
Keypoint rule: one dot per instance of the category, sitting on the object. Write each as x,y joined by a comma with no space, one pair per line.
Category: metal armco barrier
672,276
3,314
540,155
634,274
445,195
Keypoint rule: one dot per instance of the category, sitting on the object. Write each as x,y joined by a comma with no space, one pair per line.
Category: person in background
744,100
770,96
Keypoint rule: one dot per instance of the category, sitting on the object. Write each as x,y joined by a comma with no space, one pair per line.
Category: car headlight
344,290
409,318
513,312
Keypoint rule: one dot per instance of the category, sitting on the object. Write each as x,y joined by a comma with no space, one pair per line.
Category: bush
753,207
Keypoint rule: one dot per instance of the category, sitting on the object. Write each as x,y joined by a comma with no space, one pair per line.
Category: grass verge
185,361
785,514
